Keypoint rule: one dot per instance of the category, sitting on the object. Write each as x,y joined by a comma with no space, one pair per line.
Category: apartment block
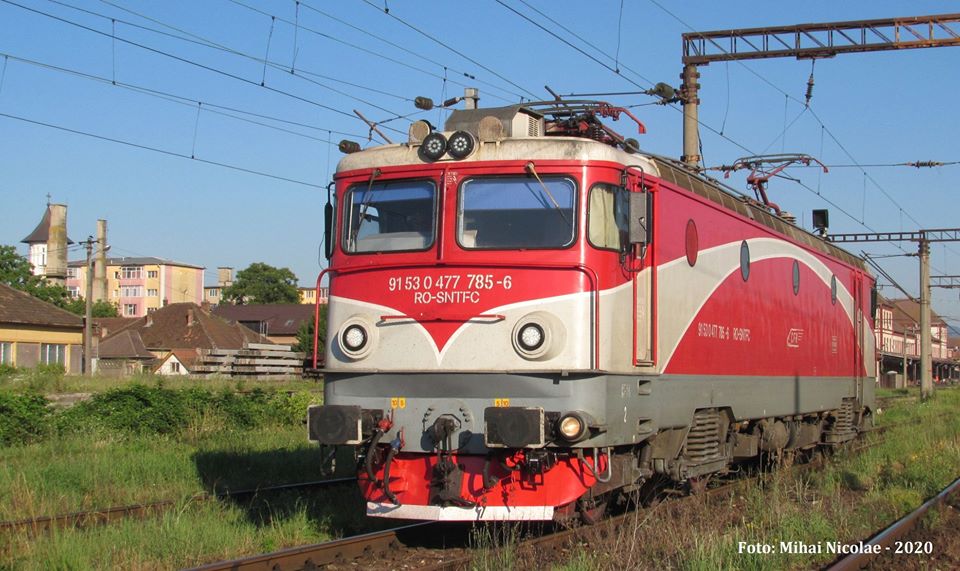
139,286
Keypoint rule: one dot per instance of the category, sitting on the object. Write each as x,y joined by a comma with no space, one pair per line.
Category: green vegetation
51,380
141,410
853,496
140,443
263,283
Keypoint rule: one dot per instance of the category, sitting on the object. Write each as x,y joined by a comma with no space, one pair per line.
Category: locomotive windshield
390,216
516,213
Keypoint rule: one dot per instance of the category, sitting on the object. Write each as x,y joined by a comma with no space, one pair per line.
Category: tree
101,308
305,335
263,283
16,272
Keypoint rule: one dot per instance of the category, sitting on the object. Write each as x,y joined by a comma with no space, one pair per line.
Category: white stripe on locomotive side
680,300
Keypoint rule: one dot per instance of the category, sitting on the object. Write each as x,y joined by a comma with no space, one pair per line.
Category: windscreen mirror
328,230
639,227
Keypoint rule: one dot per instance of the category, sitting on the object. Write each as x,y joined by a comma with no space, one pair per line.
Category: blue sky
876,108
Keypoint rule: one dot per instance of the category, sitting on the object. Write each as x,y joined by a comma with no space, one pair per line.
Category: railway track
44,524
883,541
409,543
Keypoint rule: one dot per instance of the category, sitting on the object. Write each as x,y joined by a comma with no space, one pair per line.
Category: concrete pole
88,315
56,270
926,374
100,263
691,128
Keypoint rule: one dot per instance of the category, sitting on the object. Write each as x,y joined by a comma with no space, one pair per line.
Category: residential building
277,322
139,286
308,295
213,294
897,331
34,332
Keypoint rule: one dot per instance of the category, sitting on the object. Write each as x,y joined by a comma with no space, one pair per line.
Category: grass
83,471
853,496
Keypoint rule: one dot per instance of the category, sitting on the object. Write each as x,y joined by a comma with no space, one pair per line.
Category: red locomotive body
524,323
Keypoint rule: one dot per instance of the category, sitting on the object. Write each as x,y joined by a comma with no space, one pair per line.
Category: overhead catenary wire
188,61
449,47
351,45
209,107
159,150
405,49
205,42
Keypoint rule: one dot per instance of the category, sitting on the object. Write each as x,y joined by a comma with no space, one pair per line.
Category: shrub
138,409
22,417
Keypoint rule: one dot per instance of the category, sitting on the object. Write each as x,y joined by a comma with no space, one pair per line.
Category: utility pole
88,311
923,239
802,41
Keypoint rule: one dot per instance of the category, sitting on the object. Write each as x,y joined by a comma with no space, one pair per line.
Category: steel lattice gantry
801,41
923,239
823,39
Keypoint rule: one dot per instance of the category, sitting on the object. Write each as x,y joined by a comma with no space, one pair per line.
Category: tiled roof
279,319
22,308
188,326
906,313
124,345
141,261
110,325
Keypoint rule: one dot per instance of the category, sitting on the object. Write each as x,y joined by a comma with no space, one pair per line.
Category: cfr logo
794,337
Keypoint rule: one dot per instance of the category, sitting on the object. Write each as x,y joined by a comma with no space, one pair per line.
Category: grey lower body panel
629,408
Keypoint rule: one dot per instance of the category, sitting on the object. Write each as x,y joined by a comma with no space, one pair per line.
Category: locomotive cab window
516,213
608,217
390,216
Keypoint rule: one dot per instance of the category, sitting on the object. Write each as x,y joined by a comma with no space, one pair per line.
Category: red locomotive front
528,316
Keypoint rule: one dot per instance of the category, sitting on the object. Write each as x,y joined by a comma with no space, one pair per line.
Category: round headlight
571,427
433,147
460,144
354,338
531,337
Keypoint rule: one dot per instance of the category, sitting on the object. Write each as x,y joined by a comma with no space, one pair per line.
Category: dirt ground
940,530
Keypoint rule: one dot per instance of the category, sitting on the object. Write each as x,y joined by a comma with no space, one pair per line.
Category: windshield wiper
364,206
532,169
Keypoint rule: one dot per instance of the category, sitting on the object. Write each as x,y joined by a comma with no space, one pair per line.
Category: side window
608,217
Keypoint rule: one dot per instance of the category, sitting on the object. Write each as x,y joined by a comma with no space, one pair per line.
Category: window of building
151,309
6,353
71,272
174,367
213,292
131,272
131,291
74,291
152,273
129,310
153,292
52,354
507,213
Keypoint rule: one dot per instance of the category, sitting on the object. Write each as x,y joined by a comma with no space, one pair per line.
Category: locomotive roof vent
515,121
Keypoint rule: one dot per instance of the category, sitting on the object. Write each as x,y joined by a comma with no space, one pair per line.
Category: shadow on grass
336,510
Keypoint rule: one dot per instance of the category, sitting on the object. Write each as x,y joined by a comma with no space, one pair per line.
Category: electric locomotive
529,315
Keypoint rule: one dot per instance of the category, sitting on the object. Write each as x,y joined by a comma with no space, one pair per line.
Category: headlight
433,147
354,338
531,337
460,144
572,426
